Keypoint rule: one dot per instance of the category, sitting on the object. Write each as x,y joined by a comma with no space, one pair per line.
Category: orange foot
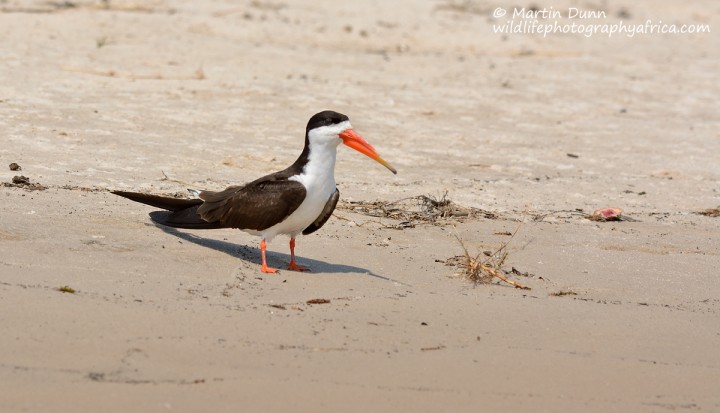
293,266
268,270
265,268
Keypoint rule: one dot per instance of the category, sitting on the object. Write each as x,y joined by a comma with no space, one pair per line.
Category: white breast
318,177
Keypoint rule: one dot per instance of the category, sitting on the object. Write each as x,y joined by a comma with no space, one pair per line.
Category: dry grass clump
485,266
417,209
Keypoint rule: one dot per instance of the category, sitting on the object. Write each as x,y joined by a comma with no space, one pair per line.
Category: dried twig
567,213
360,224
166,178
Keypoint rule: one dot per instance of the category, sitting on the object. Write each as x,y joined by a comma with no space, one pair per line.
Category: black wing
324,215
256,206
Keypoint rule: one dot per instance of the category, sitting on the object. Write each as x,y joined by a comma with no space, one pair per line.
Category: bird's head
330,128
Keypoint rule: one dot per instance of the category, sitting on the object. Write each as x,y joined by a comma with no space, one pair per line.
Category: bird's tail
181,213
164,202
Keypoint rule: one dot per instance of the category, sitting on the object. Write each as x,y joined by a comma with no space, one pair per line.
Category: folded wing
325,214
257,206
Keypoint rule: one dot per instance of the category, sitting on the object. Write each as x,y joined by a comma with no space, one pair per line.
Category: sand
537,131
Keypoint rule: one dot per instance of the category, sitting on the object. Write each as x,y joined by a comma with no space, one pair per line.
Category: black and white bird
297,200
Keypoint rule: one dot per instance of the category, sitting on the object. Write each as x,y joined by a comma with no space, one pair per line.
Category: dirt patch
563,293
66,289
711,212
21,181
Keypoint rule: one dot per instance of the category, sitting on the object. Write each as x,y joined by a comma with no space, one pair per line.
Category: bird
296,200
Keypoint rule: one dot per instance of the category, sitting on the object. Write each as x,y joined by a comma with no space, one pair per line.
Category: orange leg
293,265
265,267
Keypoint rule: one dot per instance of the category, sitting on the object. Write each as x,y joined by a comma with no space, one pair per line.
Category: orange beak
357,142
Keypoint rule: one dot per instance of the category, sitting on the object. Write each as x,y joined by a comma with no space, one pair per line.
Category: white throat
318,175
319,172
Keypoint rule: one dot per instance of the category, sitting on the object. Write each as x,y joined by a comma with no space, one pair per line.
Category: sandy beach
505,143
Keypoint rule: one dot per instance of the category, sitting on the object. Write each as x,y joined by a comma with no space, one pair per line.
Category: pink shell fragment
606,214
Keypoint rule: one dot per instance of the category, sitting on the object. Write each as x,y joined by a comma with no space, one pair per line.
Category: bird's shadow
237,251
